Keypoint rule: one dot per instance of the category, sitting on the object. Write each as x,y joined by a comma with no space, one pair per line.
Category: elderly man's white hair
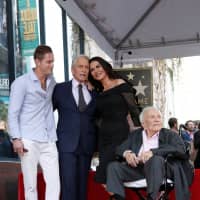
145,110
74,61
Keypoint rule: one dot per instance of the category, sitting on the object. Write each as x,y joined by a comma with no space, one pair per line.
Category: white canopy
131,29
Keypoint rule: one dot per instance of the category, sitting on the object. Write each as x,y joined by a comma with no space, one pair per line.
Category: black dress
113,106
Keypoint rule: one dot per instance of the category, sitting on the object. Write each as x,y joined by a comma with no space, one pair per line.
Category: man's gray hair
74,61
145,110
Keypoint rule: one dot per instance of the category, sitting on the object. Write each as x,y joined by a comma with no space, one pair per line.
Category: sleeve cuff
125,152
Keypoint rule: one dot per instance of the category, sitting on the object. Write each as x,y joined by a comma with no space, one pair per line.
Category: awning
132,29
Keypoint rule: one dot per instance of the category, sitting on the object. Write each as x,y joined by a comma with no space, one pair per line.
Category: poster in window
28,26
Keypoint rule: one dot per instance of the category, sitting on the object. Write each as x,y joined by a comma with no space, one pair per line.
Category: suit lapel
92,94
138,141
70,97
162,137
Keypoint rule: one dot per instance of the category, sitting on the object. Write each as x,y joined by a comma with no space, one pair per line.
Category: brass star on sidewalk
130,76
140,88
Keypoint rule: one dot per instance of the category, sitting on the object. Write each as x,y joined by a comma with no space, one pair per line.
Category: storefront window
4,76
5,144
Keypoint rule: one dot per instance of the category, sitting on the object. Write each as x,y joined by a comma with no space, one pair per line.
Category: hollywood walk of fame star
140,88
130,76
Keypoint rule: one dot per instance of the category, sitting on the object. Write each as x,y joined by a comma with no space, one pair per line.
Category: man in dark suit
75,129
144,152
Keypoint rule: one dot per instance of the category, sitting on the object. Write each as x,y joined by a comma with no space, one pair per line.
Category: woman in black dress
115,102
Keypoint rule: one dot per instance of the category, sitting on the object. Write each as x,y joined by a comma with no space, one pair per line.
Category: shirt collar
75,83
35,78
155,135
33,75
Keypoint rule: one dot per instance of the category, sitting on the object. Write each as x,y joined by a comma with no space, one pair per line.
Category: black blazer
73,126
169,142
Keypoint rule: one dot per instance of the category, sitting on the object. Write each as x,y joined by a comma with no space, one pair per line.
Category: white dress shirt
86,94
148,143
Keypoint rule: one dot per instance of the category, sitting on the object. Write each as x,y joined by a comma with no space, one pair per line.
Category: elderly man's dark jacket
169,143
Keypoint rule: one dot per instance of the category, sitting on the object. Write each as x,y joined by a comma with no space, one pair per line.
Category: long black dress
113,106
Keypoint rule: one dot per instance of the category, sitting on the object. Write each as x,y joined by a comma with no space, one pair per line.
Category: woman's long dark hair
108,69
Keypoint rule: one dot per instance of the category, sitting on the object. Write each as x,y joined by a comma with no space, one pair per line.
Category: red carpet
97,192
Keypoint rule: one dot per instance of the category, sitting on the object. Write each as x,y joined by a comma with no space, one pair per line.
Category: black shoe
111,197
118,197
149,197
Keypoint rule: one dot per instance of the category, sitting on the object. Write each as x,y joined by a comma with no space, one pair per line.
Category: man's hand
145,156
18,147
131,159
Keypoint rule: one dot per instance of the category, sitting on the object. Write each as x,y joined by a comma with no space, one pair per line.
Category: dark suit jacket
73,126
169,143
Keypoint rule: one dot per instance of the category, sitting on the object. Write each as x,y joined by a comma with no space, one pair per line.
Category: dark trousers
74,169
153,170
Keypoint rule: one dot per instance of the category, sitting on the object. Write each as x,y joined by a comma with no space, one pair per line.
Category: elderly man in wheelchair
145,153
